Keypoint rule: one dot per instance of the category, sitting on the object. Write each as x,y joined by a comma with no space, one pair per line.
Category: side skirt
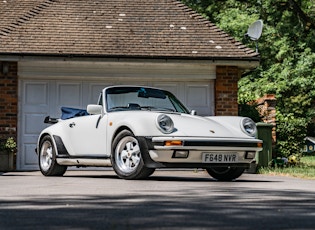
84,162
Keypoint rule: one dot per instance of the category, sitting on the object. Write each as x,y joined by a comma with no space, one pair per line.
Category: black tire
127,157
225,173
47,159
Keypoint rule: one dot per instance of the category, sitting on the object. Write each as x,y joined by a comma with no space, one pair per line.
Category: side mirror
94,109
193,112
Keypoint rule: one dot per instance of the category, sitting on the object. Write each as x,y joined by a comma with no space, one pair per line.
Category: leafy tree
287,54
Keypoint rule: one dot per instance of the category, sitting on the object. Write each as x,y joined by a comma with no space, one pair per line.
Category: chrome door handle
71,125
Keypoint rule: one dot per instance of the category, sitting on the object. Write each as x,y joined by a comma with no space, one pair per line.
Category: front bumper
160,154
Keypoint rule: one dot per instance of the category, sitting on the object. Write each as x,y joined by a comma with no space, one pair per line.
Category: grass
304,169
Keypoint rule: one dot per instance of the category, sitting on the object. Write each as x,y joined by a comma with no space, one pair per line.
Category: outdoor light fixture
5,68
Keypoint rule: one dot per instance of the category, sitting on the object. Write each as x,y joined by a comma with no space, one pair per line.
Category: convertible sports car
138,129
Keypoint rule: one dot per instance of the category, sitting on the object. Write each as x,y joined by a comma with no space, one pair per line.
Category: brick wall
226,91
266,106
8,99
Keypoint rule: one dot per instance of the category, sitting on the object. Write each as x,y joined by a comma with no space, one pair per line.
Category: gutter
19,56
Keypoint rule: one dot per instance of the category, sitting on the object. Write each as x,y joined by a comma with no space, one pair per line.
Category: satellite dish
254,30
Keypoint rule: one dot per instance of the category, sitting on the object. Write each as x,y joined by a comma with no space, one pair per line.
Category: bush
291,132
8,144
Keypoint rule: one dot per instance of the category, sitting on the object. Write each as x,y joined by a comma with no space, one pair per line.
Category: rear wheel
47,159
127,158
225,173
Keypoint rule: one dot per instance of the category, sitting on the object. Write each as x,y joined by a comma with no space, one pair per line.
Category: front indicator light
180,154
173,143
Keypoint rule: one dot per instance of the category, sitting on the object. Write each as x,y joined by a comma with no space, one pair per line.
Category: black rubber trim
145,145
221,143
209,143
98,121
61,149
63,153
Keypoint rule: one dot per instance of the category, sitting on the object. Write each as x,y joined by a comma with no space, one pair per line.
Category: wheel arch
41,137
140,170
118,130
47,156
57,142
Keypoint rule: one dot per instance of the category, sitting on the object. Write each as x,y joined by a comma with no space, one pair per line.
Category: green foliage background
287,54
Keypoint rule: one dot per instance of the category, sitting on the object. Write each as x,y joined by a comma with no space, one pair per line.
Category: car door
87,135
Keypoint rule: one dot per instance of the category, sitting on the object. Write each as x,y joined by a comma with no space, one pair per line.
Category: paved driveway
168,200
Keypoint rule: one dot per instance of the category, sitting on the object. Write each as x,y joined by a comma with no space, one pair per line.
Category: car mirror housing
94,109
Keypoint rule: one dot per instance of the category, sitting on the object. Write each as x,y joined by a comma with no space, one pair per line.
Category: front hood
197,126
143,123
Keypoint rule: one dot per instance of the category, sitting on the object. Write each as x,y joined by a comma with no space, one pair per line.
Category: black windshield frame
143,93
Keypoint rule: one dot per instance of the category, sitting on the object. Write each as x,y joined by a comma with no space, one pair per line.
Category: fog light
250,155
180,154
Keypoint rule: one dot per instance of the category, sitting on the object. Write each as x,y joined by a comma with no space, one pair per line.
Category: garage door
42,97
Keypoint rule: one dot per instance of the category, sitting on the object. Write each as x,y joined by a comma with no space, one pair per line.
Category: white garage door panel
46,98
34,108
30,159
200,97
69,94
37,94
41,99
94,90
31,123
173,87
46,86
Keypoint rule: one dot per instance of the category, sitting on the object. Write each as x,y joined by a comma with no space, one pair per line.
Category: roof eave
218,60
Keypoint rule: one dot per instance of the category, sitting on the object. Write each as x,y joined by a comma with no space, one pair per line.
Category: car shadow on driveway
177,200
166,175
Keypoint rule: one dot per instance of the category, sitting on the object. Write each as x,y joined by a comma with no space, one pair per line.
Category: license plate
219,158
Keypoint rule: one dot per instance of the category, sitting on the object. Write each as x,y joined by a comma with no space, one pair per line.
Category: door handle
71,125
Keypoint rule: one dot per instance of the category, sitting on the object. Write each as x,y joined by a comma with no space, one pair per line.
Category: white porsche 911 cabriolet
138,129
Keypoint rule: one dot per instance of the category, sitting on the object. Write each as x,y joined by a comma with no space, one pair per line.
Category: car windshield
142,98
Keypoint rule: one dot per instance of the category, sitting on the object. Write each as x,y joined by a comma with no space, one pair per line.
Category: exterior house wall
225,95
8,99
226,91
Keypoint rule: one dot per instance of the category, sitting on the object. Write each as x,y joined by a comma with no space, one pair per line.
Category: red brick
226,91
8,101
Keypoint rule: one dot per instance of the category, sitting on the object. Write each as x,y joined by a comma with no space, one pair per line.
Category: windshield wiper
157,108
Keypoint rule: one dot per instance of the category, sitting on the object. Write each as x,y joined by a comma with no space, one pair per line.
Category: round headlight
165,123
249,127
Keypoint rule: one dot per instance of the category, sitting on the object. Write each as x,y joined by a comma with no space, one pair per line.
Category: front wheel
225,173
127,158
47,159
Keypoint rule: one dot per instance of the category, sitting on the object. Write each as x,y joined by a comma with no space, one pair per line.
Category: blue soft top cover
72,112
